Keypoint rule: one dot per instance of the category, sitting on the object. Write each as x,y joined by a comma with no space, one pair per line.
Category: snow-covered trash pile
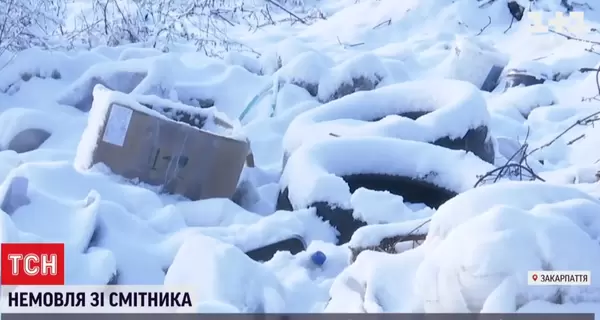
449,113
330,175
194,152
474,61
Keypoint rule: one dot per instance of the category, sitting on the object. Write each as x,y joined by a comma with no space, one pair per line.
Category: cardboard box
163,143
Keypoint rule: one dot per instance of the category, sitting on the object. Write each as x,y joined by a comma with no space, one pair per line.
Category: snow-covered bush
158,24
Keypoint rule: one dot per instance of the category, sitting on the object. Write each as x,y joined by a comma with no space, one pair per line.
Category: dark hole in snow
194,120
28,140
516,10
412,190
293,244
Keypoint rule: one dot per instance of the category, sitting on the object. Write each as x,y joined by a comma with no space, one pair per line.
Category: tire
449,113
524,73
325,174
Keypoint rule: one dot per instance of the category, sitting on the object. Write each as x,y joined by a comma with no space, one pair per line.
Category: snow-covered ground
419,65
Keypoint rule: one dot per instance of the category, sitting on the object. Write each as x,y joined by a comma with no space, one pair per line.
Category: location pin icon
534,277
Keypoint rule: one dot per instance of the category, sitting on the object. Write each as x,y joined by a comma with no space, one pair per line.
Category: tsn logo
573,22
32,264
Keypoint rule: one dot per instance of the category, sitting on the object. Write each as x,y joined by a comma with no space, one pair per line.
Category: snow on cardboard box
184,150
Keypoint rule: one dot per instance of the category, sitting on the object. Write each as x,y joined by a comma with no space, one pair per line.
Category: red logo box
32,264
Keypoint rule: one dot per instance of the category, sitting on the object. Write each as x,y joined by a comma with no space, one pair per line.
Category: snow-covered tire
527,73
449,113
325,174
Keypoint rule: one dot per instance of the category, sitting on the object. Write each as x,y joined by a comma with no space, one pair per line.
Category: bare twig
382,24
569,37
485,27
576,139
349,45
286,10
584,121
512,20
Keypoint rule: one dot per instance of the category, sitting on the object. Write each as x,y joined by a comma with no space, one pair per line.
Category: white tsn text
560,278
95,299
573,22
33,264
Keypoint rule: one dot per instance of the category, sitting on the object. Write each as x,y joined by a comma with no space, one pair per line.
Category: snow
331,89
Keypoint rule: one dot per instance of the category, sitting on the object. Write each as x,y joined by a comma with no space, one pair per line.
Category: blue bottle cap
318,258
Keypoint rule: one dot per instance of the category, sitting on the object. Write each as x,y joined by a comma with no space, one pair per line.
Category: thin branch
485,27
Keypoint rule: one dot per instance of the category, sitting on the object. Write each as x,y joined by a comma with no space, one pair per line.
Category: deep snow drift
382,87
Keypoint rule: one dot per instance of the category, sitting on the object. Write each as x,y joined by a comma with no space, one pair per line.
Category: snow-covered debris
314,172
363,72
123,76
391,207
445,112
377,282
276,227
518,102
215,89
250,63
306,71
266,134
522,195
534,239
38,63
14,194
138,53
218,271
524,73
24,130
214,213
74,223
472,60
372,235
281,54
